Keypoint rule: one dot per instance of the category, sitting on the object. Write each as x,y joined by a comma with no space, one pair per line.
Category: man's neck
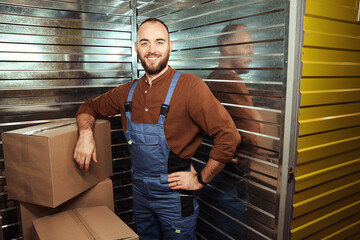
151,77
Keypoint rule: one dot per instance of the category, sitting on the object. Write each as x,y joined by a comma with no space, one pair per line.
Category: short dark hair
228,28
154,20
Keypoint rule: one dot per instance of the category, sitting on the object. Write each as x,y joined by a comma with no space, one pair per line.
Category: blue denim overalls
158,211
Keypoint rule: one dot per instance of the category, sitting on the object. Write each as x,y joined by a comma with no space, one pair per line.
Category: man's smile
152,58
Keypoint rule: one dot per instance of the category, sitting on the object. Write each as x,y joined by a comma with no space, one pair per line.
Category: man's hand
85,150
186,180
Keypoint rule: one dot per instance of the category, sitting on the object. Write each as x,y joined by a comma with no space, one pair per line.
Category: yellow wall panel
328,111
328,117
324,221
304,197
326,202
330,55
324,139
305,218
315,84
304,182
326,165
319,69
332,10
342,169
311,98
339,3
356,236
331,27
320,39
345,232
327,149
342,229
328,123
329,143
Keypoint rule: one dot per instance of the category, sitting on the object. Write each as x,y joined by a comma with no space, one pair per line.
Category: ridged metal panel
326,202
53,56
242,202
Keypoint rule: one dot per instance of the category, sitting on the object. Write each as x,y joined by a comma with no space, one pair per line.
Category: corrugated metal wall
242,202
326,202
53,56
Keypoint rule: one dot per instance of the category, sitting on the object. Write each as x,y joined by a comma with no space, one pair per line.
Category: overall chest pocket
142,139
145,152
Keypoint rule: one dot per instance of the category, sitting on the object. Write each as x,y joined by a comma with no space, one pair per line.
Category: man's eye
160,43
144,44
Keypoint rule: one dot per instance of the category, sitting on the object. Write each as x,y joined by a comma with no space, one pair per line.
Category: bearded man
163,114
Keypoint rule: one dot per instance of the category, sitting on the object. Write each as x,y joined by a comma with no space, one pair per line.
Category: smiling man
164,114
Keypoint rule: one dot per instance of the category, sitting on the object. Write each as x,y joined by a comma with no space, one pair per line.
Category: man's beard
244,67
156,69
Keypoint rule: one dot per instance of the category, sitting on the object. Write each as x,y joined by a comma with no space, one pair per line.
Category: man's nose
152,48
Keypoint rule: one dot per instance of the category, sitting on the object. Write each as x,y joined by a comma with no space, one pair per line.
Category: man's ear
136,48
226,51
171,45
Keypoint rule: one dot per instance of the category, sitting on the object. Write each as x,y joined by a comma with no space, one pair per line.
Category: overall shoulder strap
129,98
165,106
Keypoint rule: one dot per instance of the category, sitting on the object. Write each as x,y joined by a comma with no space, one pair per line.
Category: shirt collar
160,78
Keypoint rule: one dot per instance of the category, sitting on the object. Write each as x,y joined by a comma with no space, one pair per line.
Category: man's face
242,49
153,47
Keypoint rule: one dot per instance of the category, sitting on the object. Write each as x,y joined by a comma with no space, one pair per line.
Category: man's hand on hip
186,180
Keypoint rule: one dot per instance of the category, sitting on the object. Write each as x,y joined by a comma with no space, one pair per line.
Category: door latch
290,175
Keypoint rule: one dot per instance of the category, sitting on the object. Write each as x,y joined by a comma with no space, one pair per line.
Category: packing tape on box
25,167
84,225
50,127
79,223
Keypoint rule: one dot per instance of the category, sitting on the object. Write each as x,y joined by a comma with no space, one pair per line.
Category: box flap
64,225
43,129
98,223
103,224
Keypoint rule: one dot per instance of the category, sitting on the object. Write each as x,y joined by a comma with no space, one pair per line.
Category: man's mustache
152,55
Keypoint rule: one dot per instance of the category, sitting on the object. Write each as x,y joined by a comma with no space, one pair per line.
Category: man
163,115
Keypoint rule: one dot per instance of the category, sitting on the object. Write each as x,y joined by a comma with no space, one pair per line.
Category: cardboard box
99,195
39,163
82,224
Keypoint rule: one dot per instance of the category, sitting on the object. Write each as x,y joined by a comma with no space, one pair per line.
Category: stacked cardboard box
99,195
39,163
83,224
42,175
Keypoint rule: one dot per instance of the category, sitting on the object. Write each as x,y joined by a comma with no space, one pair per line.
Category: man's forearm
211,169
85,122
85,147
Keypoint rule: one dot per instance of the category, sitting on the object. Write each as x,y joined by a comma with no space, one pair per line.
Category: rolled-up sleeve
105,105
213,118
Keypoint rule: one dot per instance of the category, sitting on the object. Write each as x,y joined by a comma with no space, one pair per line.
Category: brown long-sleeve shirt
193,108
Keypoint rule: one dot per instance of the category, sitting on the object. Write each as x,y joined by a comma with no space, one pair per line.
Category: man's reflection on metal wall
236,50
236,55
